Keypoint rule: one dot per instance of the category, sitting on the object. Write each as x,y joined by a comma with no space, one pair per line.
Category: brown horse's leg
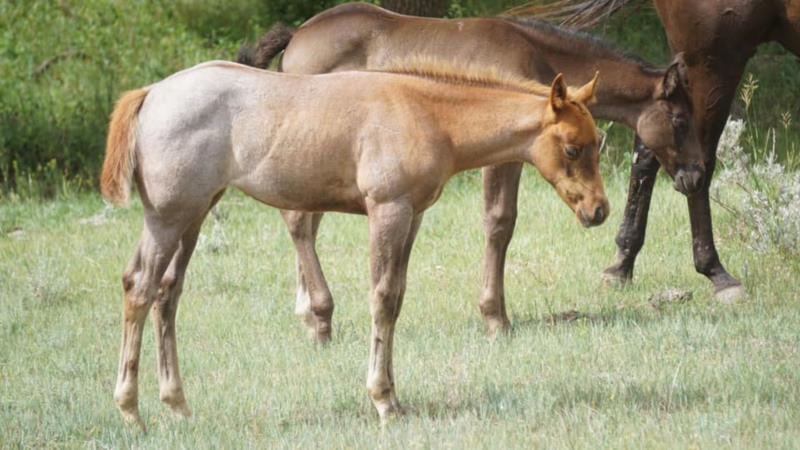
500,188
706,260
630,237
391,237
713,90
141,283
165,309
314,302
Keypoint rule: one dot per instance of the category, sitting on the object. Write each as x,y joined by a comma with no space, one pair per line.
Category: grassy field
623,375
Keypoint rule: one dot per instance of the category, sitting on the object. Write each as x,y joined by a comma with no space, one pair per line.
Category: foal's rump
217,124
176,134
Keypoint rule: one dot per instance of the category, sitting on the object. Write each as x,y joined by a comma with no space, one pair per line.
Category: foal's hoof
181,410
497,328
391,414
133,418
730,295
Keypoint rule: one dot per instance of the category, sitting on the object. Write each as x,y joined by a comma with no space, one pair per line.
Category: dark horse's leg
630,237
500,188
713,94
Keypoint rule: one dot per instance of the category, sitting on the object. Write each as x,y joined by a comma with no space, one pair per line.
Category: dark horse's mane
580,40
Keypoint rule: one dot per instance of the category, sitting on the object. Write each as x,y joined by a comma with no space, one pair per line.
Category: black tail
575,14
267,47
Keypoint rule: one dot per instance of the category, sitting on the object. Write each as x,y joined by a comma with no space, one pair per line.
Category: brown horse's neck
627,84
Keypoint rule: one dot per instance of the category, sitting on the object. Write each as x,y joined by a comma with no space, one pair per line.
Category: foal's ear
585,94
675,79
558,93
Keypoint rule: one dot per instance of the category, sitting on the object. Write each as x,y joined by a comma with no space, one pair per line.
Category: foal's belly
302,189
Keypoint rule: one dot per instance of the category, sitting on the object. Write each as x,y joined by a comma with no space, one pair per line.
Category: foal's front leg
500,188
392,228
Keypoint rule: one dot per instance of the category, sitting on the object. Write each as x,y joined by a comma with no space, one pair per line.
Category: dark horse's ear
675,79
558,93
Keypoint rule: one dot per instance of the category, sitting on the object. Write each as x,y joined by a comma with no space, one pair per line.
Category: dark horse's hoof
616,277
730,295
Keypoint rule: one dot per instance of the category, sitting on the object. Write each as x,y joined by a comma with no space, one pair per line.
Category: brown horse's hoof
730,295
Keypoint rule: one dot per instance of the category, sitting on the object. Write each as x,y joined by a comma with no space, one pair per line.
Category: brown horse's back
359,36
733,28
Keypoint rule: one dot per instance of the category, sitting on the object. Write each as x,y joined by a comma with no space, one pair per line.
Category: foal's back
303,142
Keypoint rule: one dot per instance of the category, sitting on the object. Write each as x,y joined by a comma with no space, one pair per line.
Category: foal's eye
572,152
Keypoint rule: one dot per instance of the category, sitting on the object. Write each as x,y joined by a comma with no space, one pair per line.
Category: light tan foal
374,143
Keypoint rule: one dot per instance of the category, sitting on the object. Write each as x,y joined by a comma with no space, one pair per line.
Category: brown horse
717,38
380,144
649,100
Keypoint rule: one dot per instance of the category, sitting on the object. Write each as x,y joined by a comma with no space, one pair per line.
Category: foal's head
666,128
567,153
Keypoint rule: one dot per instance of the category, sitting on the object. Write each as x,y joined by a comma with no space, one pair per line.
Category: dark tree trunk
429,8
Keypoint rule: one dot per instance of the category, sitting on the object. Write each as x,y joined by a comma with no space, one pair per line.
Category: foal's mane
465,75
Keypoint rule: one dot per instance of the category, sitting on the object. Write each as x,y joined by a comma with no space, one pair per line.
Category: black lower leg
630,237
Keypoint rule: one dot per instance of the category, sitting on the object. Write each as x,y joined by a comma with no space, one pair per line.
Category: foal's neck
494,130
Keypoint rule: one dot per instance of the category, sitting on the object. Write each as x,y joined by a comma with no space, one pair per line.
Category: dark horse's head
666,127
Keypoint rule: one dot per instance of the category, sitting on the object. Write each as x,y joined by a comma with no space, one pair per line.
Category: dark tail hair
575,14
267,47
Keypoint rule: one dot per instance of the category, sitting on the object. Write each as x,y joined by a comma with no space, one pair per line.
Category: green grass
697,374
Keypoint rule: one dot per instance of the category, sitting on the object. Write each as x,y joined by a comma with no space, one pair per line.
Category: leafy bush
755,187
64,62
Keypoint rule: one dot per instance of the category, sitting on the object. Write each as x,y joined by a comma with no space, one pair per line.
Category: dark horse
649,100
717,38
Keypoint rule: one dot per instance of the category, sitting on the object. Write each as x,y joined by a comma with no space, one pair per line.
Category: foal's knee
385,302
499,223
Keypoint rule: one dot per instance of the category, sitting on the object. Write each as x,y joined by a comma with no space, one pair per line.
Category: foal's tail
267,47
115,181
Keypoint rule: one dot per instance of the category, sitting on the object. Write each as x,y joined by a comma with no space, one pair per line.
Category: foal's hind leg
164,312
314,301
141,284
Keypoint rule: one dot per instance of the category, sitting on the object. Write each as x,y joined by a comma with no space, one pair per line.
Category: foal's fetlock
128,405
495,318
322,311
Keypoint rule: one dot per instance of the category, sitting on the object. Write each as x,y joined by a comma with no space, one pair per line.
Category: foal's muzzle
593,218
688,180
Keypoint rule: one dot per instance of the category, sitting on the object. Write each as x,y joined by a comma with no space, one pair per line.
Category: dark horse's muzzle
688,179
